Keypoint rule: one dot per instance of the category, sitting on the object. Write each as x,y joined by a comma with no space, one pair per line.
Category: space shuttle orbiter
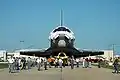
61,40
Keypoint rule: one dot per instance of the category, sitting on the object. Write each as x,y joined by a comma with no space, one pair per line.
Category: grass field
105,66
3,65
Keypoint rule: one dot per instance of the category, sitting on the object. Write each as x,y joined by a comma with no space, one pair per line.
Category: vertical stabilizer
61,18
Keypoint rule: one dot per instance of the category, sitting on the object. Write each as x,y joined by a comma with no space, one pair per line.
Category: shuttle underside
61,41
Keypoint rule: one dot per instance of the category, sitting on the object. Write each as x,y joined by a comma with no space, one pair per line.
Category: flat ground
93,73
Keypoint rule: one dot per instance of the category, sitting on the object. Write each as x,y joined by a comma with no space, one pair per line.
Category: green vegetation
105,65
3,65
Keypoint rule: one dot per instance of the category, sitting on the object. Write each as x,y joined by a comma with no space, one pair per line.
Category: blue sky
96,23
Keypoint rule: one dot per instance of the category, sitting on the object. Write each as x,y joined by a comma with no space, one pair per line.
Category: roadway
93,73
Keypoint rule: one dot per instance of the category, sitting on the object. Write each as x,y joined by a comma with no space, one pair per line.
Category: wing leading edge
53,52
85,53
35,52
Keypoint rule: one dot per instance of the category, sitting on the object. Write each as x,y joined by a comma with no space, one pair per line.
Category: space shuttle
61,41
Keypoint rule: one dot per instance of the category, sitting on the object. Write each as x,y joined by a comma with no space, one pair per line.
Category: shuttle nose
61,43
